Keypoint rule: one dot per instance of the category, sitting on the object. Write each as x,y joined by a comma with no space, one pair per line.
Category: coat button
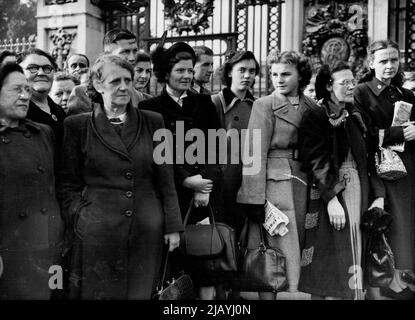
40,168
236,118
22,215
43,210
27,134
128,194
129,175
128,213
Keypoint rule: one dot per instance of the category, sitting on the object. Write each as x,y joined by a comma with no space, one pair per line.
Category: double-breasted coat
31,228
280,179
119,203
377,100
328,263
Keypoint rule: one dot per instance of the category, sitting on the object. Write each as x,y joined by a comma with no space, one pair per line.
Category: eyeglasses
34,68
347,82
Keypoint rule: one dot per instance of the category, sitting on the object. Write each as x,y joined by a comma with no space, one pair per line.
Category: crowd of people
81,188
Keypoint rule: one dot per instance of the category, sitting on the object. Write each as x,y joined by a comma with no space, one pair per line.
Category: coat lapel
132,126
106,133
283,109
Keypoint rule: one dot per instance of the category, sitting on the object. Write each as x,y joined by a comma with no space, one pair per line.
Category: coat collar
376,86
231,100
283,109
25,125
107,134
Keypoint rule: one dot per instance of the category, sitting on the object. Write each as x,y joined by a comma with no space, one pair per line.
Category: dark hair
78,54
299,60
369,74
165,59
6,53
62,76
115,35
232,59
200,50
102,60
39,52
324,78
7,69
142,56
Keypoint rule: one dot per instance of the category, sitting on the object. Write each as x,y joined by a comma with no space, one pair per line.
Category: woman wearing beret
179,106
31,228
121,204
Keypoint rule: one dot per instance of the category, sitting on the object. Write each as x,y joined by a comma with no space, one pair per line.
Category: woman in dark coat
334,150
30,222
39,67
182,111
376,97
121,205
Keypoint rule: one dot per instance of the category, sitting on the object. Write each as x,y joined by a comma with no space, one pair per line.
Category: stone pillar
78,22
378,19
292,24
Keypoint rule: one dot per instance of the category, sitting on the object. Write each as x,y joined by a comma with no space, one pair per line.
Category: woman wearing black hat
182,108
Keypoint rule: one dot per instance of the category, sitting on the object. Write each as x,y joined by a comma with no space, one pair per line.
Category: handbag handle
186,218
163,275
243,240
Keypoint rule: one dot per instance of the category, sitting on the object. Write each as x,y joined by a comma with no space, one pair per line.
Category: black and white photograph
207,155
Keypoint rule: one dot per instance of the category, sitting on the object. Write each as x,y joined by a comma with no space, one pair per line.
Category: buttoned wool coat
280,179
377,100
31,228
119,203
198,111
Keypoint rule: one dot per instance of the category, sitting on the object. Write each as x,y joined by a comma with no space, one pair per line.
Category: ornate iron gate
221,25
402,29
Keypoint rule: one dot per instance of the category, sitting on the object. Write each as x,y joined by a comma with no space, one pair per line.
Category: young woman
376,96
280,179
334,151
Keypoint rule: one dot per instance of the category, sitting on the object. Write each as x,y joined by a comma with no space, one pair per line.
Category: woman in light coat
280,179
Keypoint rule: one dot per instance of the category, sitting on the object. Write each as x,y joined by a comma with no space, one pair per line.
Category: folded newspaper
401,115
275,220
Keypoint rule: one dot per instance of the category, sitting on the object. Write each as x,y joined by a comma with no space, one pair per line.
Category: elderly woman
199,181
39,67
334,148
121,205
31,226
280,180
376,96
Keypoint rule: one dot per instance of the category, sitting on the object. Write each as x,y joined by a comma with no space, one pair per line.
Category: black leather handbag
174,289
378,261
261,268
208,247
